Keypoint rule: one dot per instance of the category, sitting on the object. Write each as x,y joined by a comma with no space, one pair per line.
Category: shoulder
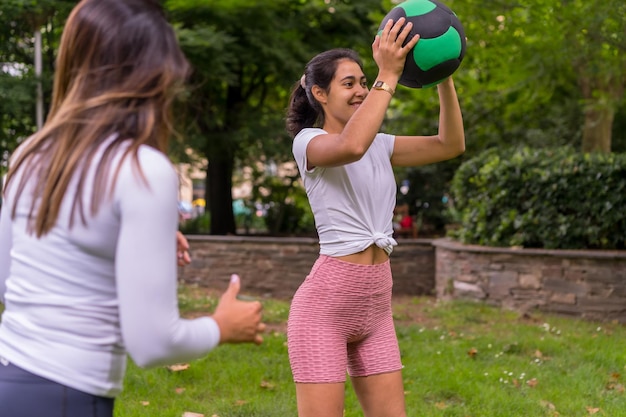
385,137
149,159
300,143
385,142
151,168
152,159
308,133
20,148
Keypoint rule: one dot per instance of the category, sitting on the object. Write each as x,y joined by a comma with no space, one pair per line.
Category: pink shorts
341,320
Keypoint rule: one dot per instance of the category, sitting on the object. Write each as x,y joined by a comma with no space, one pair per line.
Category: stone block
561,286
501,283
554,271
566,309
563,298
530,295
602,304
472,279
467,290
572,274
529,281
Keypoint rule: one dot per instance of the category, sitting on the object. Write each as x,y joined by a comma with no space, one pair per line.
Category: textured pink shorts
341,320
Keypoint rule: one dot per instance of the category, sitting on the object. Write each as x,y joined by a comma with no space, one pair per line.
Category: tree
533,70
246,55
547,48
19,20
595,40
520,82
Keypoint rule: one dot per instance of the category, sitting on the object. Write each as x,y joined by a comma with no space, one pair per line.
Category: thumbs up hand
239,321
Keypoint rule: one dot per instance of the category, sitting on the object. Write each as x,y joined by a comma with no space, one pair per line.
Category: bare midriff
371,256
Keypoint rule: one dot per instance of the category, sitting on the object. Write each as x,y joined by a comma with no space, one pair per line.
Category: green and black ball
442,43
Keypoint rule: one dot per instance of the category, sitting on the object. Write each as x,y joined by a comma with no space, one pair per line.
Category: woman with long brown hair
88,223
340,319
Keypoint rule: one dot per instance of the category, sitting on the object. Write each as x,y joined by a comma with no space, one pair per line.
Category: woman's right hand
387,48
239,321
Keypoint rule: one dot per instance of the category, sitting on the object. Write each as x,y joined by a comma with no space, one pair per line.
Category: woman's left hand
182,250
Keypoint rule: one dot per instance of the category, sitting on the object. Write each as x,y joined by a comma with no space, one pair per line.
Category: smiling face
345,94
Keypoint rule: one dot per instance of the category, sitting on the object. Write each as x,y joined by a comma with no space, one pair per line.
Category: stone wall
587,284
275,267
582,283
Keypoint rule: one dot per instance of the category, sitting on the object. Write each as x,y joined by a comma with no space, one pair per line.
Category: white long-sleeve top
77,300
352,204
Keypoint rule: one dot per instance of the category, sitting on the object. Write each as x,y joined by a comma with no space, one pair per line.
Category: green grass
461,359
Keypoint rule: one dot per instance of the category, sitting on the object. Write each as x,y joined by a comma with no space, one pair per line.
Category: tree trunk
219,196
597,129
601,96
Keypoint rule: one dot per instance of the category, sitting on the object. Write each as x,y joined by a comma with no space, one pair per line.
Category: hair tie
303,81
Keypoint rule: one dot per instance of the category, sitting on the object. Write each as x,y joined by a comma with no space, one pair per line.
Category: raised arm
348,140
447,144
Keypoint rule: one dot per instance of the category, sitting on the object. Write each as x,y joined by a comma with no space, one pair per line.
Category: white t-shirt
77,300
352,204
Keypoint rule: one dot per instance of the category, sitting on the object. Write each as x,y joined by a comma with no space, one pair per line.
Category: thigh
315,344
319,326
381,395
377,353
23,394
316,400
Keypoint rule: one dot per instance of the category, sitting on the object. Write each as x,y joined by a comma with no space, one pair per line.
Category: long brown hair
117,70
304,110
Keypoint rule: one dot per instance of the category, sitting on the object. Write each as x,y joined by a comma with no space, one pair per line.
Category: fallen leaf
472,352
441,405
538,354
547,404
241,402
190,414
144,403
178,367
179,390
268,385
532,382
592,410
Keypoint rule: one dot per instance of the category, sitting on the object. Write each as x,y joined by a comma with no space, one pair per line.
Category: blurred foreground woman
88,268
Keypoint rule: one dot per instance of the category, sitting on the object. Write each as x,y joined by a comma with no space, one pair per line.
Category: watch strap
381,85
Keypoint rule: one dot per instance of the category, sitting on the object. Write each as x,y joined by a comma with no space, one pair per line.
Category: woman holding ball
340,317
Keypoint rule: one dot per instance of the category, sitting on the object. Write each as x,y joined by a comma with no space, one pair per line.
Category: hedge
541,198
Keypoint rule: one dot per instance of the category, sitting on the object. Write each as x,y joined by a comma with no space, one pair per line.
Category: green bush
541,198
288,209
199,225
427,196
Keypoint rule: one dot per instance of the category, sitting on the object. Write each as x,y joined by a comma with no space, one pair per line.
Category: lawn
461,359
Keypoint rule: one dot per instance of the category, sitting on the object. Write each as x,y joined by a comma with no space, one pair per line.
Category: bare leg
381,395
316,400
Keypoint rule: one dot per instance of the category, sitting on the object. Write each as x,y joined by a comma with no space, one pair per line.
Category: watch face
381,85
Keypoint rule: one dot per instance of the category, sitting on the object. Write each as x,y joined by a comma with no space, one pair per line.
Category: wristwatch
381,85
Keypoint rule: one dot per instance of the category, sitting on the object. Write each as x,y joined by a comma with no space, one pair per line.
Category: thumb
233,287
376,41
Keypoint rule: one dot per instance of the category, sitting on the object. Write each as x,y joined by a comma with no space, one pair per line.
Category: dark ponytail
304,111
